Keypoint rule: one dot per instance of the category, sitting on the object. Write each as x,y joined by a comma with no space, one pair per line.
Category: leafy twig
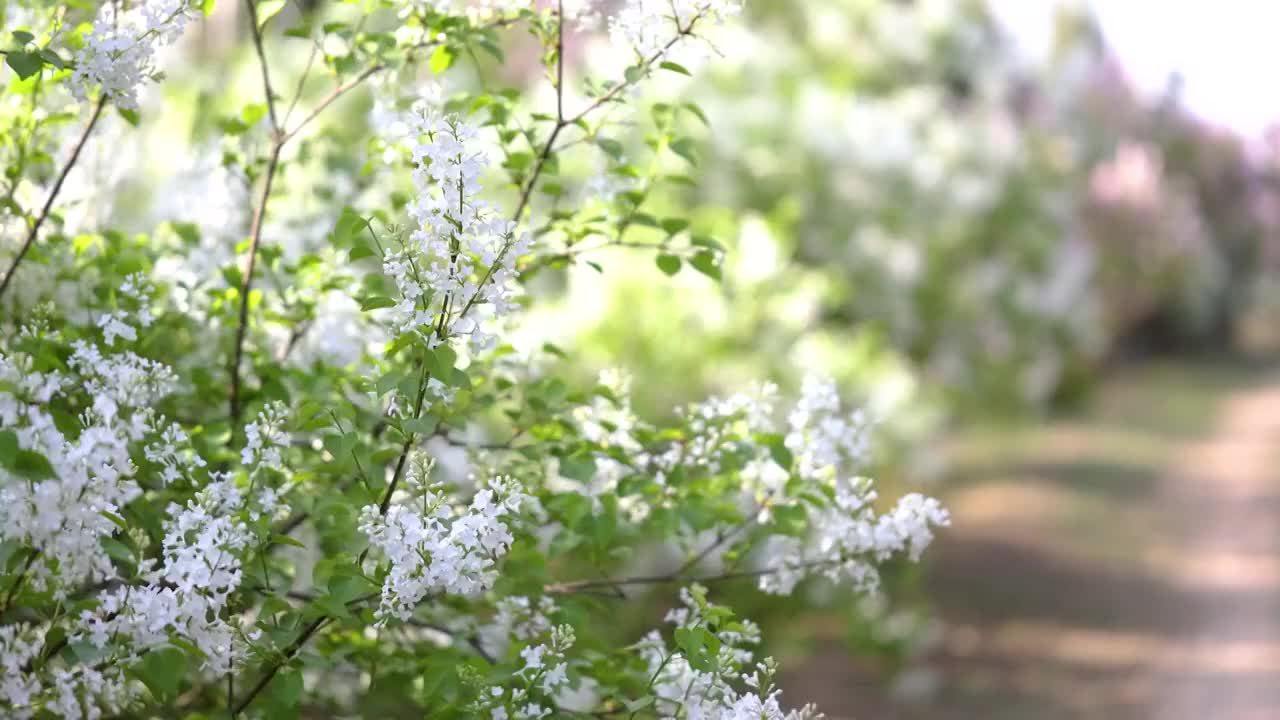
53,195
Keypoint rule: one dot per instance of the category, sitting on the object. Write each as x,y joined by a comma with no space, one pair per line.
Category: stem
562,122
336,93
17,583
262,63
678,577
302,81
53,194
289,652
246,283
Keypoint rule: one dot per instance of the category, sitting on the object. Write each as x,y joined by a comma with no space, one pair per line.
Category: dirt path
1225,493
1124,566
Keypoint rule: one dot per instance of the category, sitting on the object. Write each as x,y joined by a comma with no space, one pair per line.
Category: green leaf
116,550
640,703
206,6
361,251
701,648
707,242
424,425
162,670
441,59
22,37
693,109
349,224
684,147
580,467
130,116
675,67
26,463
790,519
52,58
374,302
8,447
706,263
278,539
777,445
25,64
268,9
302,31
669,264
116,519
612,147
674,225
252,113
189,232
286,690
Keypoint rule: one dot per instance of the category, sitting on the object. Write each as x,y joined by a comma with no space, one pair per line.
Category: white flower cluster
652,26
721,425
119,53
825,441
63,517
77,692
264,438
456,271
683,691
524,619
849,538
545,670
68,513
828,446
188,594
434,548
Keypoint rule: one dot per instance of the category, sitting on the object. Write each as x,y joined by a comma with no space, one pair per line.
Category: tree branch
262,63
53,195
311,629
246,282
678,577
563,122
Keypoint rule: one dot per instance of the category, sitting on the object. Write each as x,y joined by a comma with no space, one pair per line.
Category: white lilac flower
456,271
654,26
264,437
849,538
434,548
118,54
682,691
523,619
188,593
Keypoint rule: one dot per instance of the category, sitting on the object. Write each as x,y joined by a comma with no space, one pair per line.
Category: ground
1120,564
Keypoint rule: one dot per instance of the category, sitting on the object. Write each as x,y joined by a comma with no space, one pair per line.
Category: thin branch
246,282
328,100
262,63
385,504
367,73
302,81
17,583
560,61
295,335
311,629
677,577
562,122
53,194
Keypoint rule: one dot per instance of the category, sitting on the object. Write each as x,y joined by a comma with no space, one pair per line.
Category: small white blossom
435,549
119,52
